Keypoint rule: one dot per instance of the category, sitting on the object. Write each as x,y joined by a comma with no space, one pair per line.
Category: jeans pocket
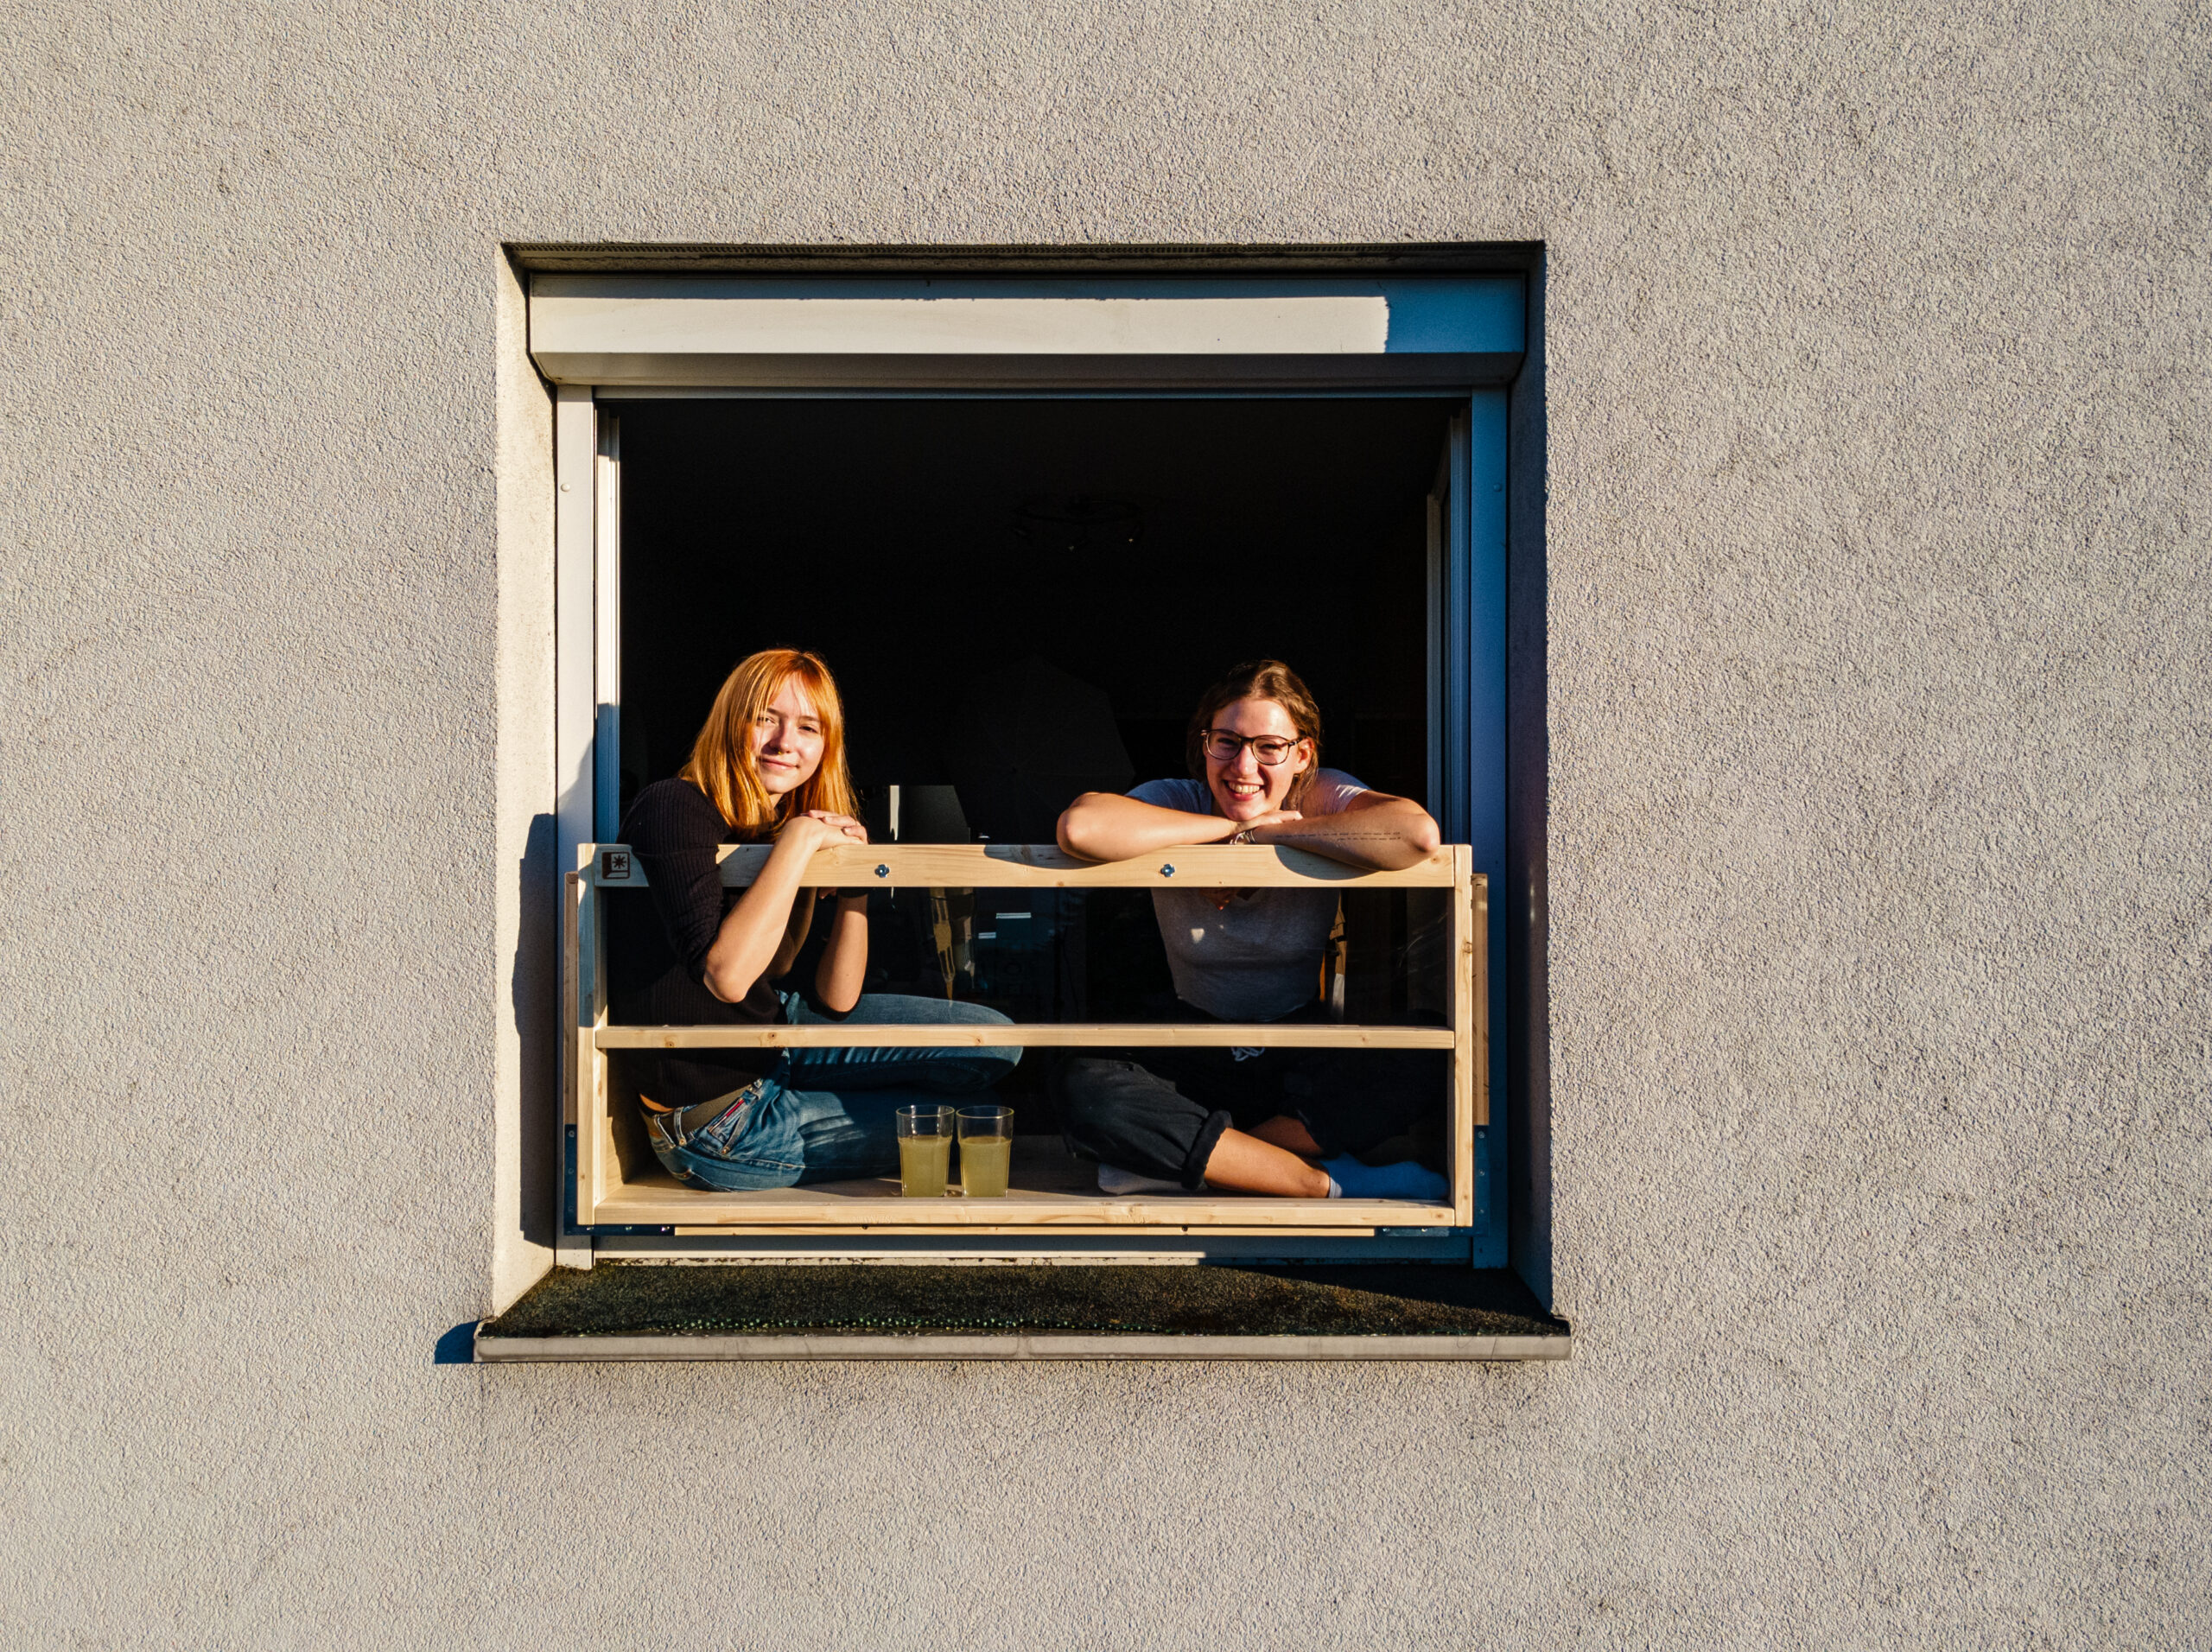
716,1139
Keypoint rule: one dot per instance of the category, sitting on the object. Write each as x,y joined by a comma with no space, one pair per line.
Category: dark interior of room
1022,600
955,560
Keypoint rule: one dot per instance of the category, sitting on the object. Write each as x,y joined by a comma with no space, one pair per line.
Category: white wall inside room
1876,646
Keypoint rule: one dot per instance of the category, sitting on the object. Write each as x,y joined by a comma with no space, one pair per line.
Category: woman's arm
753,931
1107,826
1372,830
843,965
795,934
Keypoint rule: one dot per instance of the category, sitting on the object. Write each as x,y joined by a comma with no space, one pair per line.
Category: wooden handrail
1078,1035
1043,866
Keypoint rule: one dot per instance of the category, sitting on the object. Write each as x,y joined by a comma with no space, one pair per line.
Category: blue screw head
1167,872
883,872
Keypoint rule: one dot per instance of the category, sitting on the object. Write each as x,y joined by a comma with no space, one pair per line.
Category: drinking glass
986,1151
925,1151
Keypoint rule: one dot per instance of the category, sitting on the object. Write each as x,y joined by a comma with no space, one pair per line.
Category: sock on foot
1409,1180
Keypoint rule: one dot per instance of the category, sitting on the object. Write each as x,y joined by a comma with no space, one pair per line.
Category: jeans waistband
689,1120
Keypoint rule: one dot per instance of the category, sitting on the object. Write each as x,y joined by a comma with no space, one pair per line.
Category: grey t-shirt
1258,958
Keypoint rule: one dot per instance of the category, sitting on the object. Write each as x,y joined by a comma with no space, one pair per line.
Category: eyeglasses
1224,746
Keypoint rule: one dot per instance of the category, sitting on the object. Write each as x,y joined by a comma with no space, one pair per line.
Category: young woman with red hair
768,765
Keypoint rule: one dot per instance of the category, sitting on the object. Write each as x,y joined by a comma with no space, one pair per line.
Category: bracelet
1244,836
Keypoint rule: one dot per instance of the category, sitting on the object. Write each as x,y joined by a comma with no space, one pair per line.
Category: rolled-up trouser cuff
1194,1167
1324,1137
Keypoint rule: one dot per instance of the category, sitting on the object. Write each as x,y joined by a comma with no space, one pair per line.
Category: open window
1035,558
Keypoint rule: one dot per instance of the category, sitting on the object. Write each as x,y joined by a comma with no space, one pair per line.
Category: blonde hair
721,757
1260,679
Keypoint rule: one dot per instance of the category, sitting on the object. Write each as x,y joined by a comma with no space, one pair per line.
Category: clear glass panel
1098,955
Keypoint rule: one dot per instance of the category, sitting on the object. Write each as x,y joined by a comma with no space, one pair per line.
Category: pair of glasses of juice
925,1138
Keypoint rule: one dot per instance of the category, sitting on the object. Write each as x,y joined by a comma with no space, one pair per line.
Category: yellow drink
983,1162
923,1162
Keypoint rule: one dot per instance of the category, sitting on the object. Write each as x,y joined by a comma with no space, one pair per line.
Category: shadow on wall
534,997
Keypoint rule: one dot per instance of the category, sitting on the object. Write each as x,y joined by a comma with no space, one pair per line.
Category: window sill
843,1312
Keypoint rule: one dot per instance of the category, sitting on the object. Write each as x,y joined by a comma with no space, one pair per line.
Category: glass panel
1098,955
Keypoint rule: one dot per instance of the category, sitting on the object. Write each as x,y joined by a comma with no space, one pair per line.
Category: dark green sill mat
659,1299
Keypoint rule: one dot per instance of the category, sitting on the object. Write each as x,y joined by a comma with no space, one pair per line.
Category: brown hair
1259,679
721,757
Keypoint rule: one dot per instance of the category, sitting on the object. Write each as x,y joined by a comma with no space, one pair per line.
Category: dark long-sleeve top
657,945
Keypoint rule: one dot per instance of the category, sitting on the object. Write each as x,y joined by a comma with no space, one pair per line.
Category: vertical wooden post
1469,1042
599,1165
578,1056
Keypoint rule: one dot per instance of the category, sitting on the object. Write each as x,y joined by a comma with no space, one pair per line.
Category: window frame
1467,562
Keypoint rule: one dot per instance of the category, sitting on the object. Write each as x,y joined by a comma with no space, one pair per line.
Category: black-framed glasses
1224,746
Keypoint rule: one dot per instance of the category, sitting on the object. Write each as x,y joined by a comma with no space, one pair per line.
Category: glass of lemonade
925,1151
986,1151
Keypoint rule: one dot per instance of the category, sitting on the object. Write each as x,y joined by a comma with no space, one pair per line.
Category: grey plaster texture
1876,561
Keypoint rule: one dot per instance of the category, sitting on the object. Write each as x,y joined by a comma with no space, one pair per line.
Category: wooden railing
613,1186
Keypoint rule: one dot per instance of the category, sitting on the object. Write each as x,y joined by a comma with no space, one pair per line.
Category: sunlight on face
787,739
1243,786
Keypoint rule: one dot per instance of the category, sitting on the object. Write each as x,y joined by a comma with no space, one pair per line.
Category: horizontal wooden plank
1044,866
652,1205
796,1242
1085,1035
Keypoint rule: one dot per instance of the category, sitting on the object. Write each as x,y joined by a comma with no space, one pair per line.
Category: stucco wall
1878,618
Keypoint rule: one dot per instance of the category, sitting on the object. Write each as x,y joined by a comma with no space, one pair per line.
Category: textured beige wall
1878,621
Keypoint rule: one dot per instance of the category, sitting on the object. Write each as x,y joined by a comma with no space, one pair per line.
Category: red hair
721,757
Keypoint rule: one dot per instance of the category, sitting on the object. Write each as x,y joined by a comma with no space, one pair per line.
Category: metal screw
883,872
1167,872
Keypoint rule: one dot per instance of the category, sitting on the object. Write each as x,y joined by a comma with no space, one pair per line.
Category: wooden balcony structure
619,1182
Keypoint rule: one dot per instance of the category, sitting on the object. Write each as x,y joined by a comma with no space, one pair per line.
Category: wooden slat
892,1230
655,1204
1041,865
1478,906
1093,1035
605,1164
1465,954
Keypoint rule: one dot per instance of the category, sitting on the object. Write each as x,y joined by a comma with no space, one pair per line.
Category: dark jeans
1159,1112
827,1114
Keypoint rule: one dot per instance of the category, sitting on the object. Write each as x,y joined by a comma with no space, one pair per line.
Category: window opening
1020,592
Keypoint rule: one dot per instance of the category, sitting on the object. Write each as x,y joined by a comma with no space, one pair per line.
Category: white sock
1408,1180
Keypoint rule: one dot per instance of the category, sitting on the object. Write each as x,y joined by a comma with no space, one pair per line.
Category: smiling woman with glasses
1282,1121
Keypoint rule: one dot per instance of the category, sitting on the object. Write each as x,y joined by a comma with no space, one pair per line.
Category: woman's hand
1272,817
1107,826
837,826
1372,830
810,831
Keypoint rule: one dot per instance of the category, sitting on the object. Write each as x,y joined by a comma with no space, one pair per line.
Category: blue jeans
827,1116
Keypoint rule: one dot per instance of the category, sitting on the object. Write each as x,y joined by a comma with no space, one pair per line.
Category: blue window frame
629,336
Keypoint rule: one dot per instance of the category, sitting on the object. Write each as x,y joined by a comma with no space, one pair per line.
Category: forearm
753,932
1388,835
1102,826
843,968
